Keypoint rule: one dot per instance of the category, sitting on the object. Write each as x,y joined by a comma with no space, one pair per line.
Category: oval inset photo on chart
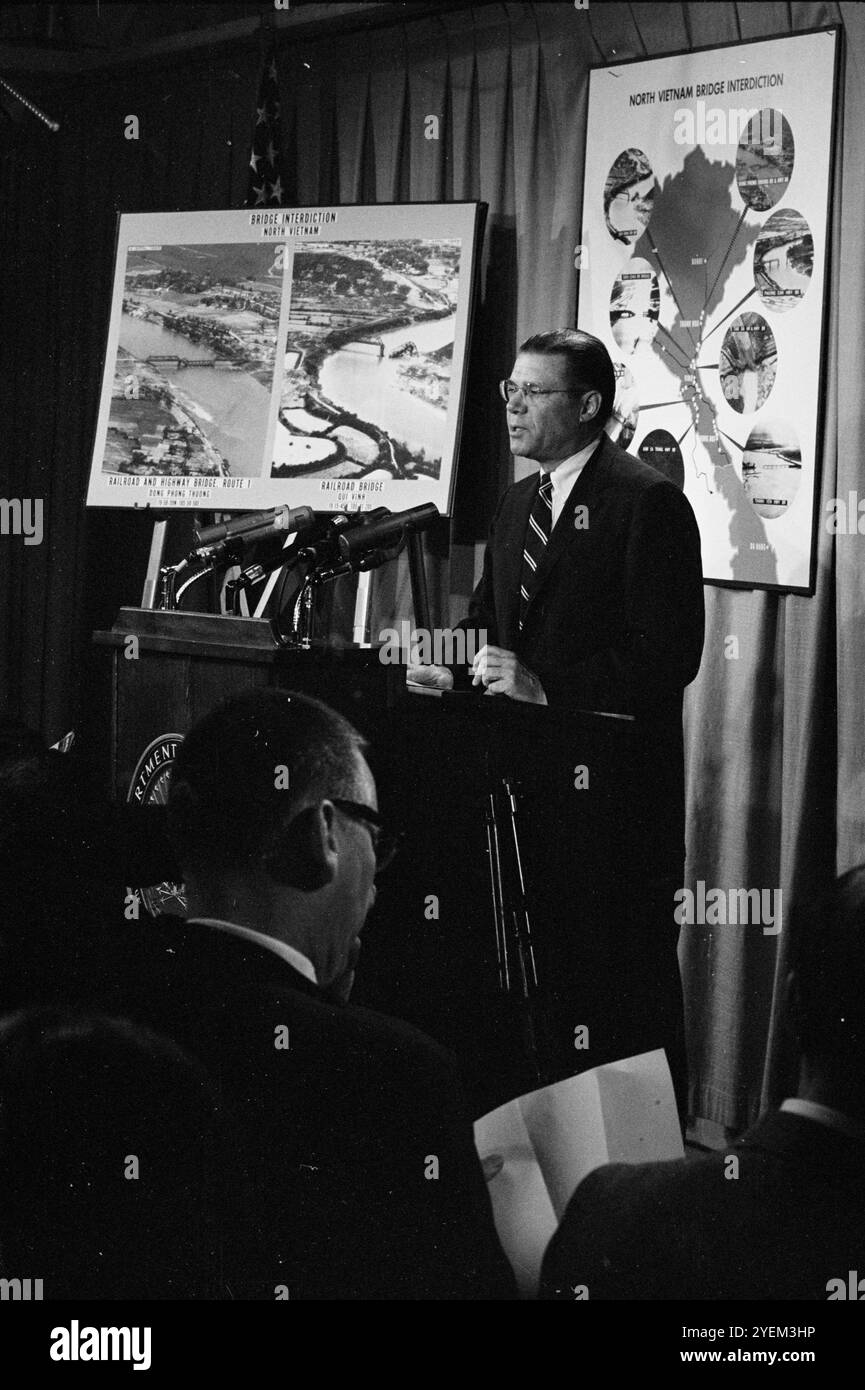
635,305
764,159
783,260
629,196
622,424
749,360
772,467
660,450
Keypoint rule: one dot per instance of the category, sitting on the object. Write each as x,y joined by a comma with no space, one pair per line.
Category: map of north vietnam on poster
702,269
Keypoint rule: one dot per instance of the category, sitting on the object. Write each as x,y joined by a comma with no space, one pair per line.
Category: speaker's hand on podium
502,673
439,677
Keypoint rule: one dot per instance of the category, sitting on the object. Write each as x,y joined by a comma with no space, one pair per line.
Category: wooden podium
431,951
168,669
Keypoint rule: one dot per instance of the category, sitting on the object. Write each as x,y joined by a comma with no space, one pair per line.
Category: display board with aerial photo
308,357
703,269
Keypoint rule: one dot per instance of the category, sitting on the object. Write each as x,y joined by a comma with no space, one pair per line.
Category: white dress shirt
566,473
292,957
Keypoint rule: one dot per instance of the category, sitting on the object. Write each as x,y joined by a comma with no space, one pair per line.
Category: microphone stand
168,577
302,630
253,574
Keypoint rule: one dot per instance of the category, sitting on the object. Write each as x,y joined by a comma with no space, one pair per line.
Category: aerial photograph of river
195,361
365,371
368,359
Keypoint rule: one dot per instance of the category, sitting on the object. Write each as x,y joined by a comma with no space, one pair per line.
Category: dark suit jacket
616,618
351,1163
792,1220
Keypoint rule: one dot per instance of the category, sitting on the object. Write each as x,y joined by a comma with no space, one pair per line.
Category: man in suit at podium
591,598
348,1169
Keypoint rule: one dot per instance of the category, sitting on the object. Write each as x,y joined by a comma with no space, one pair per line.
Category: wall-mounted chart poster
296,356
705,232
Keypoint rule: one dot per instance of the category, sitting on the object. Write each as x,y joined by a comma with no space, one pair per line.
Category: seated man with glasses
346,1167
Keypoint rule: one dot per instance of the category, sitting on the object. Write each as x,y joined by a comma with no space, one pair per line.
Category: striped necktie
537,536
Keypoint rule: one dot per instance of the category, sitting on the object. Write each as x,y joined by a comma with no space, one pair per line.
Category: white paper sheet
550,1139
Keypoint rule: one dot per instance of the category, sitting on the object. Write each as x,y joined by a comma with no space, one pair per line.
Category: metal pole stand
515,952
417,577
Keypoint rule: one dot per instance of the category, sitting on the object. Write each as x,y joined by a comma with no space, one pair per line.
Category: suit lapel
562,538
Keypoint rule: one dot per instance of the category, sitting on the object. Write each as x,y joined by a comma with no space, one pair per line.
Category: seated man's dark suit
347,1167
793,1220
615,623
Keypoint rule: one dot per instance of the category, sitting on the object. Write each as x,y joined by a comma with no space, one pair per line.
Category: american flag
264,188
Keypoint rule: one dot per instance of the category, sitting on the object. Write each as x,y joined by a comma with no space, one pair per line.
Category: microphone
280,519
224,544
322,548
386,531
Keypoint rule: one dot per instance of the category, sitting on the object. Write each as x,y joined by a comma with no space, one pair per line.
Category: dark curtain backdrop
775,740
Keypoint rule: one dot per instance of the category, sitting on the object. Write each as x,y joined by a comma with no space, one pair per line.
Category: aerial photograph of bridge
368,359
193,374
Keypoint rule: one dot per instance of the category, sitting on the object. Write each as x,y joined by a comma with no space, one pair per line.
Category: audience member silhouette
352,1160
108,1143
781,1213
